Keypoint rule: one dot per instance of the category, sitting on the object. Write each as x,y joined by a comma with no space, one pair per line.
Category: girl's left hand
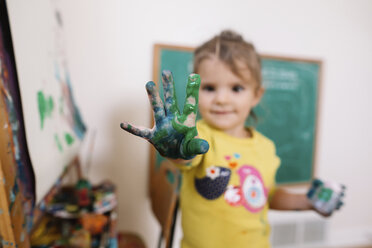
326,197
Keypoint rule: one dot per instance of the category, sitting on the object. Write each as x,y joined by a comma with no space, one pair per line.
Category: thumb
195,146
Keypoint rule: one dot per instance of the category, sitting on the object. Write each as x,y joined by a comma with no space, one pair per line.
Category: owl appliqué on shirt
251,193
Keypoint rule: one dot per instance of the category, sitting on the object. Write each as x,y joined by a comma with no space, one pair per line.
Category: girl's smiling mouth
221,112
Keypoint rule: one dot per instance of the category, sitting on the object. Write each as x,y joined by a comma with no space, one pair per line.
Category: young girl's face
225,100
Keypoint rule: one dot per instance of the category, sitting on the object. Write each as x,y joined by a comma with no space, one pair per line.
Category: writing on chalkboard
287,114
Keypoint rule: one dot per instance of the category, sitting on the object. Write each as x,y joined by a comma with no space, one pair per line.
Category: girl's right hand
174,134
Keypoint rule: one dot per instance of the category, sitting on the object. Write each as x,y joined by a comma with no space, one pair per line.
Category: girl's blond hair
230,48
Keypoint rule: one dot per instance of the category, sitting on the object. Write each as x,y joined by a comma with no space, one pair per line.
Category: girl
229,172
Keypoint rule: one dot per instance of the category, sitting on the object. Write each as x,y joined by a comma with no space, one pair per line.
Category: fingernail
150,85
167,75
194,77
204,146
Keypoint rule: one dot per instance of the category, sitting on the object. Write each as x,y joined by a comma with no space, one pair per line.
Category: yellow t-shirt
225,192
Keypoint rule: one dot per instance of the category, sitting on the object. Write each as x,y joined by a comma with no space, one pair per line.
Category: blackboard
287,114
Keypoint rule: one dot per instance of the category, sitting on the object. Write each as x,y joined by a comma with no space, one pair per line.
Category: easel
13,231
15,203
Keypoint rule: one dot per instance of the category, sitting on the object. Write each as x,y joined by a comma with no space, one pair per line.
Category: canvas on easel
54,126
39,115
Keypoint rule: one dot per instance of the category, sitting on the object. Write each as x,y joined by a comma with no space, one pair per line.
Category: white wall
110,50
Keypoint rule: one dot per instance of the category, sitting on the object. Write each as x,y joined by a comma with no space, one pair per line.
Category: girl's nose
222,97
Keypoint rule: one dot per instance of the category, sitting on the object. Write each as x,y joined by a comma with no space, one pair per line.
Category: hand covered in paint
174,134
326,197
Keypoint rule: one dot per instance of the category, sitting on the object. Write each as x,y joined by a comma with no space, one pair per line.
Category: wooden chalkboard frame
158,48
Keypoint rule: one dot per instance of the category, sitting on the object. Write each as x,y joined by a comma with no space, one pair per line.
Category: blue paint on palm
174,134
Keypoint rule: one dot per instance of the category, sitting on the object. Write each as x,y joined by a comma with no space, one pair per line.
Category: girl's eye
237,88
209,88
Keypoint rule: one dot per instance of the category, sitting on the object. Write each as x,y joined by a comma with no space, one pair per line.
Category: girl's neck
240,133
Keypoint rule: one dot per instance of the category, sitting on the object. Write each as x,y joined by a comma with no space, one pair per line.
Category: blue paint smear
79,126
12,196
113,243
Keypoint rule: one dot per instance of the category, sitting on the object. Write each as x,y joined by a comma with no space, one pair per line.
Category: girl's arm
322,197
284,200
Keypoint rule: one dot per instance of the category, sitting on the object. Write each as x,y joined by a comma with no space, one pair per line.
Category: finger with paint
174,133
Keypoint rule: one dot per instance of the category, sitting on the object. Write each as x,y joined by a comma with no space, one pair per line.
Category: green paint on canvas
46,106
58,143
69,139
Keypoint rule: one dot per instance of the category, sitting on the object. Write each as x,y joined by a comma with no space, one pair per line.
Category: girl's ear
258,95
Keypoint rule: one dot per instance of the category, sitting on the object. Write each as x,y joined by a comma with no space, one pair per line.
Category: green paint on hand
174,134
159,135
46,106
129,127
69,139
58,143
325,194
